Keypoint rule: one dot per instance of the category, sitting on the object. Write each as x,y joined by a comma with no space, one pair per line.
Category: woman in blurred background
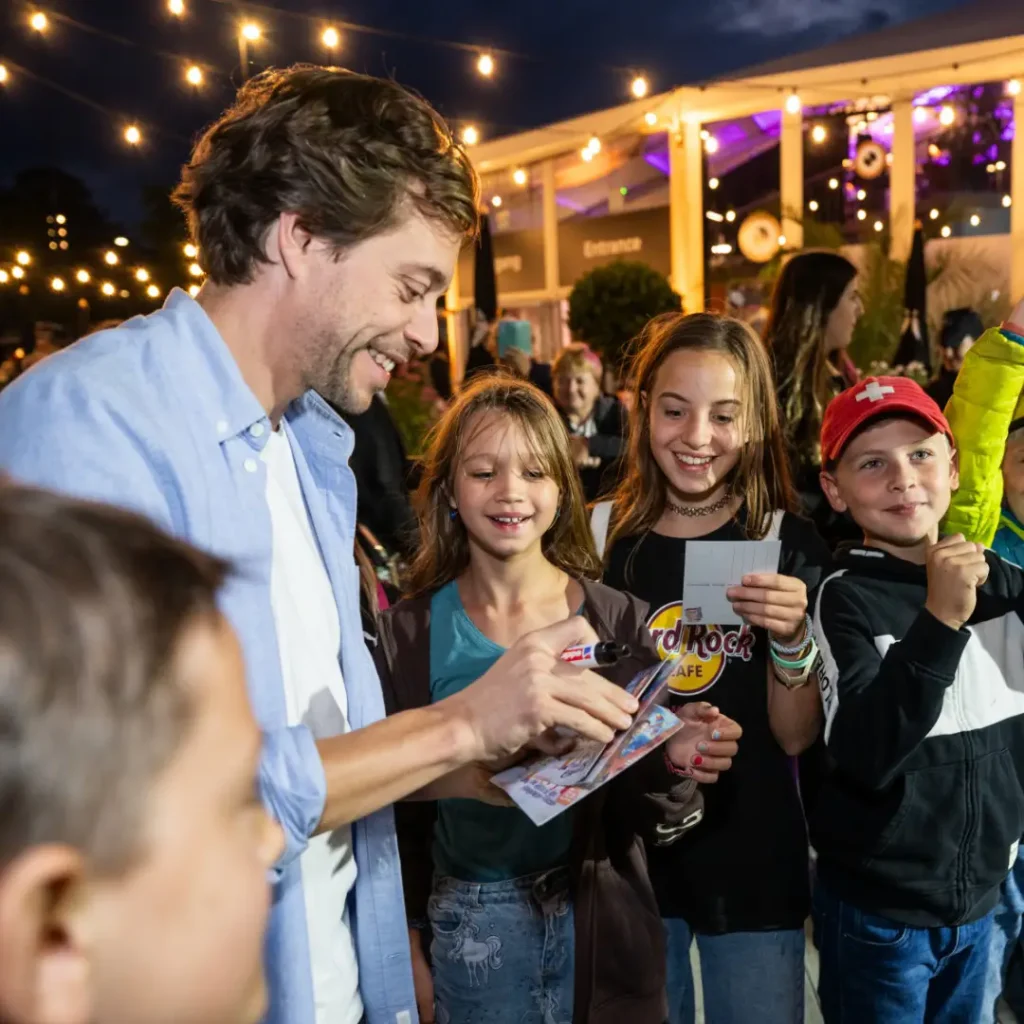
814,311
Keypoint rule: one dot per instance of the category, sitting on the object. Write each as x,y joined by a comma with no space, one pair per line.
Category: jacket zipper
970,808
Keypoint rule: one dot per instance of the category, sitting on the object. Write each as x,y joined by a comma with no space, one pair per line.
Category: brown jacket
620,945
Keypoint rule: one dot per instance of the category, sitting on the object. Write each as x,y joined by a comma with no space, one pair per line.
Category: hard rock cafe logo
703,650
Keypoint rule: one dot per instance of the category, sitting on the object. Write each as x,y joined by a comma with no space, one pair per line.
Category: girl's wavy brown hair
762,474
444,546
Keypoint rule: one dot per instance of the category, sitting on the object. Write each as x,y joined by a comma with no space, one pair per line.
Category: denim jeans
503,952
1003,967
878,970
745,976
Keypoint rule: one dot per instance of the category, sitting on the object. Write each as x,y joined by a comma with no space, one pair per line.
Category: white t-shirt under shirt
309,640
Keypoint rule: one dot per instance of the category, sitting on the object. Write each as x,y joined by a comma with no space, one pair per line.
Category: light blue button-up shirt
155,416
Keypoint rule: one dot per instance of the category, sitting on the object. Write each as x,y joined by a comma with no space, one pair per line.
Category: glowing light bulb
17,273
713,183
819,133
111,258
594,145
251,32
946,231
861,215
861,195
975,220
83,276
120,241
485,65
793,104
3,74
190,250
193,290
934,214
947,115
142,275
39,21
57,284
153,291
879,225
833,183
470,135
331,38
730,215
23,258
1013,87
194,75
1007,201
711,144
4,277
650,119
920,115
587,154
782,241
176,7
519,176
813,206
195,270
639,87
496,201
61,219
108,289
132,135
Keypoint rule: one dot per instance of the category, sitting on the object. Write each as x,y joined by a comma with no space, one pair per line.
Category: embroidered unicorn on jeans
479,957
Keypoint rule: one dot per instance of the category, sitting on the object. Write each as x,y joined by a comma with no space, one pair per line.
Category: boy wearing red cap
922,684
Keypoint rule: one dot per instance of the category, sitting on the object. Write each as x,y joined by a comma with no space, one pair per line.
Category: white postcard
712,566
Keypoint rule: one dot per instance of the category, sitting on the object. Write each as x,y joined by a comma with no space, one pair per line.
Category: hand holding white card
712,566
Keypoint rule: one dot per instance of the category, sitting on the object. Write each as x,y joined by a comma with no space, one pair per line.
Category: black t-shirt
745,868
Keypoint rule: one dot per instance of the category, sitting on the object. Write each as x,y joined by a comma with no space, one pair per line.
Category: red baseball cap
870,399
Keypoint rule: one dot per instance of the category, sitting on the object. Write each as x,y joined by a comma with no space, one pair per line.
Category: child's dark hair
444,546
762,475
94,602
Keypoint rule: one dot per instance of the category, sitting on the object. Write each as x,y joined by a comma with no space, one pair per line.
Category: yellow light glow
124,293
934,214
193,290
470,135
4,277
730,215
519,176
496,201
861,194
713,183
39,21
947,115
190,250
331,38
587,154
153,291
194,75
83,277
62,232
933,150
813,206
975,220
23,258
920,115
107,288
176,7
946,231
53,246
111,258
142,275
63,245
704,135
57,284
879,225
782,240
639,87
819,133
120,241
132,135
594,145
1000,165
833,183
195,270
793,104
61,219
3,74
650,118
711,144
17,273
19,353
485,65
1013,87
1007,201
861,215
251,32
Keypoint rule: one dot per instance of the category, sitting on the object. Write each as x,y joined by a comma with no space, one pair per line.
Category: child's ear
954,470
45,972
831,489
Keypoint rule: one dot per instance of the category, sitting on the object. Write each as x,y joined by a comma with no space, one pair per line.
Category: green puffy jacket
987,398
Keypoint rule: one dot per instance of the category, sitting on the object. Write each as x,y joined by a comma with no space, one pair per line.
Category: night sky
573,56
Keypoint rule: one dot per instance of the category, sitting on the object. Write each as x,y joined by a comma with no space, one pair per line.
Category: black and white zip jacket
920,817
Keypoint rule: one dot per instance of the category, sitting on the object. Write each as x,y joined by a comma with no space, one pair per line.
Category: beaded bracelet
796,648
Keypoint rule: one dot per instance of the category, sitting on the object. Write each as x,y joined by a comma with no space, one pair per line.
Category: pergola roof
975,42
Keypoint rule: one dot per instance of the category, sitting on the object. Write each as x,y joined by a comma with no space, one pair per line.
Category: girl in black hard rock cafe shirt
707,461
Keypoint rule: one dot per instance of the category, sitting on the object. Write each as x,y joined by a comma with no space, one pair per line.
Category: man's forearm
373,767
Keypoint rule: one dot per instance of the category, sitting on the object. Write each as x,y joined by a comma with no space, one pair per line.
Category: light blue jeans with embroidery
503,952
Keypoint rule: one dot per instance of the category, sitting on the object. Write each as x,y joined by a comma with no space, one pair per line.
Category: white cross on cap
875,392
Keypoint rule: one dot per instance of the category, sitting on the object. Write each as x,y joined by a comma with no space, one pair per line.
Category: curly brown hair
346,152
444,546
762,475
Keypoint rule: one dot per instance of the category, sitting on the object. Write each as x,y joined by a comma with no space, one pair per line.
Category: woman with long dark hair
814,311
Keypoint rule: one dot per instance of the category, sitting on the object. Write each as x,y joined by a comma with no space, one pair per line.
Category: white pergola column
902,180
791,178
686,214
1017,210
549,214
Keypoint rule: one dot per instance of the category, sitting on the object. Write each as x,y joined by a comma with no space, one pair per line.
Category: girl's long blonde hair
444,546
761,477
